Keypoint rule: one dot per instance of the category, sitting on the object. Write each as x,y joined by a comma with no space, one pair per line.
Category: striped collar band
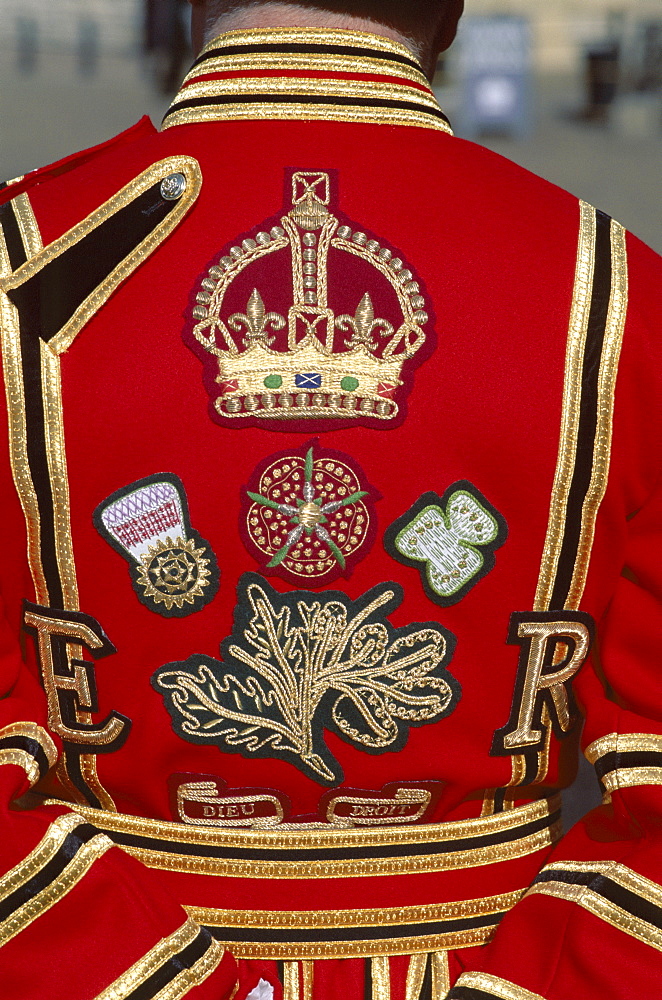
306,74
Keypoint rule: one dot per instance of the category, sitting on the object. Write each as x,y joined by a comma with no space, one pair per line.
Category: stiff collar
306,74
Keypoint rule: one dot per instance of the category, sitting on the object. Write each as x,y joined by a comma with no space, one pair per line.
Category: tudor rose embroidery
299,663
309,515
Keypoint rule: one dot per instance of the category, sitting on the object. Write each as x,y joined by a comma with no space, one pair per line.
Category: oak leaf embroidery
299,663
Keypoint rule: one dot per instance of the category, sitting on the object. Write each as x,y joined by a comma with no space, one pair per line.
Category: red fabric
495,248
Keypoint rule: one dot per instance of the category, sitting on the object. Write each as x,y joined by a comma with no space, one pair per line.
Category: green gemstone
349,384
273,381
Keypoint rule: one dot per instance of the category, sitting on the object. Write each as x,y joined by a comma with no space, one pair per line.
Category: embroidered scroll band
298,853
28,746
625,760
483,986
597,322
611,891
171,969
303,74
46,297
64,856
340,933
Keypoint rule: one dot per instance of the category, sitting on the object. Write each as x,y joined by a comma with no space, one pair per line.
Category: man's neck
287,15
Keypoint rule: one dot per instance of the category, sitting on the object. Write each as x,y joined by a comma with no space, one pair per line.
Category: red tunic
329,508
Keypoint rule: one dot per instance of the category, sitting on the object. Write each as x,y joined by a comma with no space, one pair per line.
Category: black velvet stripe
616,761
345,102
588,417
363,852
29,746
468,993
35,419
305,49
170,969
426,988
76,775
50,872
12,233
49,299
617,894
367,979
311,935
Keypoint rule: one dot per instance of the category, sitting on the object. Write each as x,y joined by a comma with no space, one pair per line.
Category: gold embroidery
586,897
441,975
330,923
299,840
185,165
36,861
415,976
579,318
624,776
385,61
27,224
289,656
606,390
494,986
31,731
355,382
308,978
12,364
381,977
290,981
151,963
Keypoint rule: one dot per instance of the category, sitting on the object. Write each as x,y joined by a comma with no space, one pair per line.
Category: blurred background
570,89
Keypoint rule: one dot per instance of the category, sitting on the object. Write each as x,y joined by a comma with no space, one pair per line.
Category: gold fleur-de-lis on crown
363,324
256,321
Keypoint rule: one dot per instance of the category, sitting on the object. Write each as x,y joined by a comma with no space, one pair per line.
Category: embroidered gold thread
317,838
626,777
302,87
292,36
27,224
279,62
307,980
291,981
13,369
495,986
158,171
23,760
77,868
307,112
578,330
606,389
381,977
415,976
441,975
32,732
165,950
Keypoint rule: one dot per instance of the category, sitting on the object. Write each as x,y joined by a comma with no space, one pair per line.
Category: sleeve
590,925
79,917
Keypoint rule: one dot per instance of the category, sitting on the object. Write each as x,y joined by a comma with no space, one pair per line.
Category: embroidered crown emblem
311,321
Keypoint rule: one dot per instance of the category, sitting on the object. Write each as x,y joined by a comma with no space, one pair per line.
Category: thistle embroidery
309,515
450,539
299,663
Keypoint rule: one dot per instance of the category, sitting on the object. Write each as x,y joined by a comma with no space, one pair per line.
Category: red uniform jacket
330,507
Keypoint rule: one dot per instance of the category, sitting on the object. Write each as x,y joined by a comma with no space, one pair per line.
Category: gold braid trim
494,986
162,953
31,731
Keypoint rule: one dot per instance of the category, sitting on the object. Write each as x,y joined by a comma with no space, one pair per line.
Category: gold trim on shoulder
624,776
31,731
